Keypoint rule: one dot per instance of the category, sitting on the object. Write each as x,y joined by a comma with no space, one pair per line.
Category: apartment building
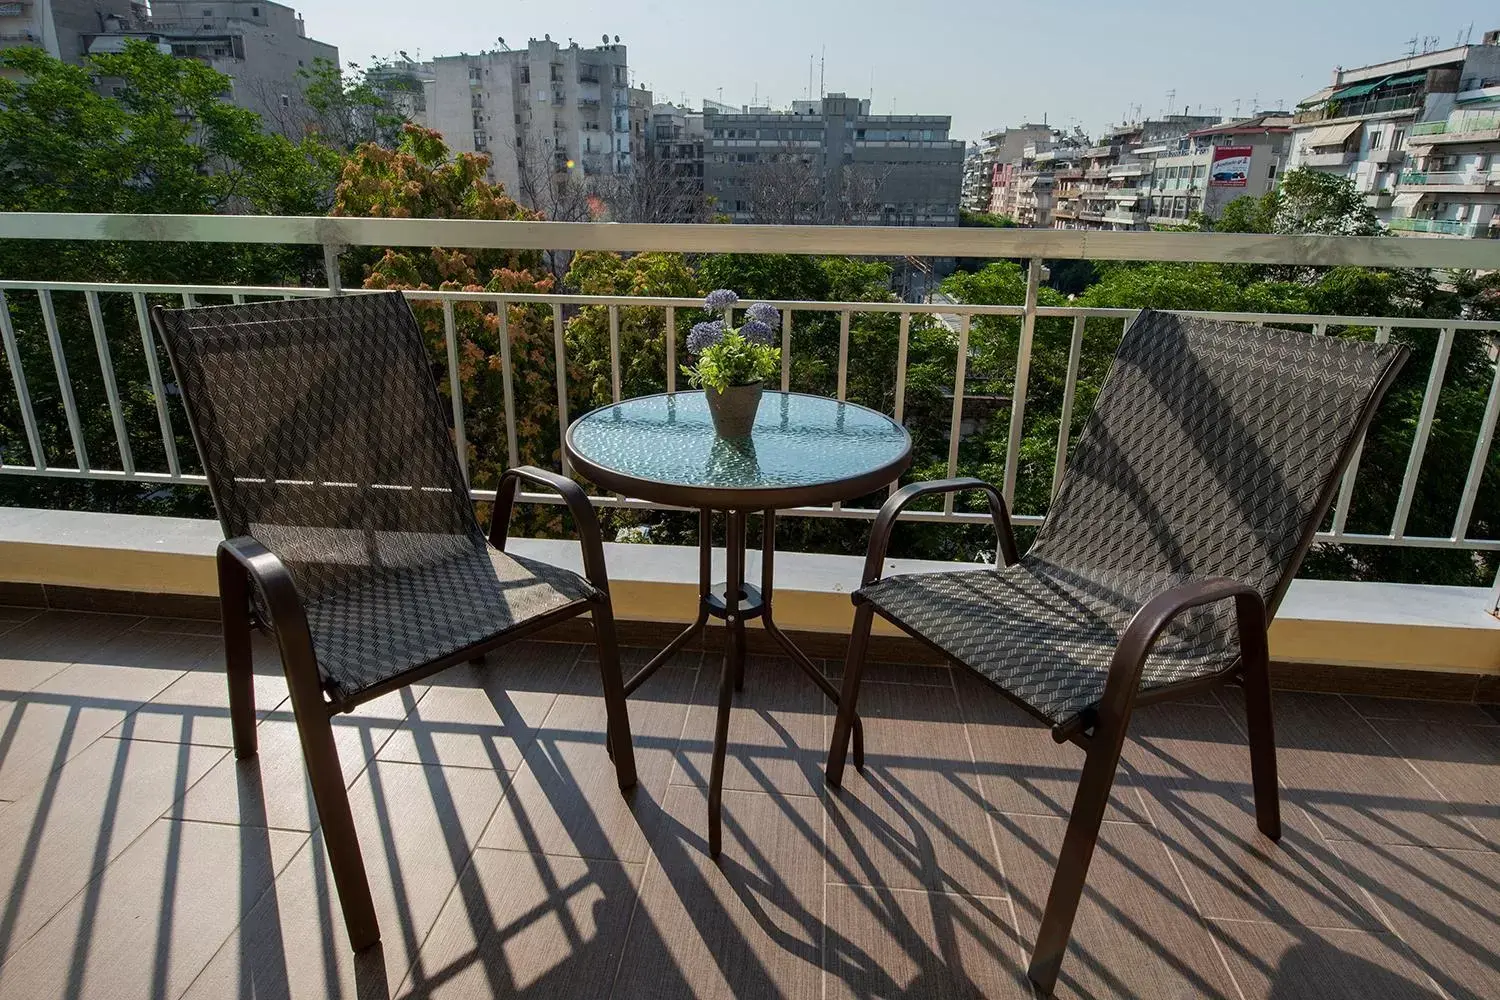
61,27
261,46
996,149
543,110
1103,190
1360,126
406,85
675,149
1210,167
833,161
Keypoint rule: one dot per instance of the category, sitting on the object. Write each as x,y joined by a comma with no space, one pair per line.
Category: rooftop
142,859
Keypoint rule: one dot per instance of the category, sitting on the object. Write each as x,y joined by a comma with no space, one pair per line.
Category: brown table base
734,605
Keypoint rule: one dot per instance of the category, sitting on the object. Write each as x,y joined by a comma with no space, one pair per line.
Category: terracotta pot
734,409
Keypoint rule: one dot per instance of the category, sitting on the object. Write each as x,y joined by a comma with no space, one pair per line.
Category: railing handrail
870,241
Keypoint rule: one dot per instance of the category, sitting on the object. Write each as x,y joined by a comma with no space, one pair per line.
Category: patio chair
350,533
1203,473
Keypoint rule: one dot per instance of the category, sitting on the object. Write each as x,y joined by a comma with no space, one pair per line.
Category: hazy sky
985,62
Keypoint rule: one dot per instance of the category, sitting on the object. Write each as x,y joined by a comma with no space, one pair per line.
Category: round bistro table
803,451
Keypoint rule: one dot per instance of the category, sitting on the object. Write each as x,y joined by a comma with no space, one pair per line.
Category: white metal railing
870,241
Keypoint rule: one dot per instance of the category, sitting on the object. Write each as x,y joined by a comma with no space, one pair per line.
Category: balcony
1450,181
1129,170
1336,158
1469,128
143,859
18,39
1441,227
1124,217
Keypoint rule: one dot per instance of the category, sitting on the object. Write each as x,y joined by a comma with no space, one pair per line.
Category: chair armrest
880,534
584,518
270,576
1160,611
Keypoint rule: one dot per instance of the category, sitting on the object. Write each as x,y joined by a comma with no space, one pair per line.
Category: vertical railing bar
560,356
507,388
786,350
903,344
1070,388
190,301
960,373
1023,373
64,384
455,387
331,271
1481,457
111,385
1320,329
1494,601
843,386
1346,488
1424,431
238,298
671,333
158,386
23,394
614,353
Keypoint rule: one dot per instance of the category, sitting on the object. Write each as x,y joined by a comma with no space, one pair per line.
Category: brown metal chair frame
1101,732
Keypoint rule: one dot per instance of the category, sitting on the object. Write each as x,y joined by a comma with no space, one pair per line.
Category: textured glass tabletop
664,448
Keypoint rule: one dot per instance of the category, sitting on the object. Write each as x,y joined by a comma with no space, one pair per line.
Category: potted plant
733,363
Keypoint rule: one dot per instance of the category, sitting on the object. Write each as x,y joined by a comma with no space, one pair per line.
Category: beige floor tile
150,922
271,789
1136,933
1462,761
195,707
484,715
920,946
529,925
1299,963
1022,769
1355,786
53,841
45,727
181,626
417,826
1459,713
33,652
566,799
776,736
885,672
750,925
1444,904
915,819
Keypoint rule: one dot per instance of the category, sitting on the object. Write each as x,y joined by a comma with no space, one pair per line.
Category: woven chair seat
1045,636
409,615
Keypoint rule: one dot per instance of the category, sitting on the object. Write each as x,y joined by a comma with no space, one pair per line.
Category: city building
1360,126
1001,146
675,161
832,161
61,27
261,46
1210,167
544,110
1103,188
406,85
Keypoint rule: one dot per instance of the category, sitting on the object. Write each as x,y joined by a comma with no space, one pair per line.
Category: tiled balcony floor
141,860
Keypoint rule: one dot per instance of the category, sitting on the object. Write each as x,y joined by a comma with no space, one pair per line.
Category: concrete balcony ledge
1419,640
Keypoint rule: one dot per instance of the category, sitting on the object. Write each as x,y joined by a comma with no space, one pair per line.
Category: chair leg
234,612
1089,804
332,800
621,749
854,668
1262,747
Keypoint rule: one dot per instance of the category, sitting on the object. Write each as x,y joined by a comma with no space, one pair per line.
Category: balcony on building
142,858
1449,181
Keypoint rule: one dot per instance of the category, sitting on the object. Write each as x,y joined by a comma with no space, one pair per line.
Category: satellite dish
617,39
546,38
606,39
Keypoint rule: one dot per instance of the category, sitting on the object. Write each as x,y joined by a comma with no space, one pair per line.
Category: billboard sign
1230,166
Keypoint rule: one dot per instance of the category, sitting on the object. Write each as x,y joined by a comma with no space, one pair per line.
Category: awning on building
1357,90
1126,202
1330,135
1404,81
1408,200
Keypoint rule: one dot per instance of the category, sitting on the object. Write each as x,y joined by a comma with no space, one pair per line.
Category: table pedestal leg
733,672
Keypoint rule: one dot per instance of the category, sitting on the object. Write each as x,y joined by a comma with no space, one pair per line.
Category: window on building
525,74
255,12
1377,140
208,12
286,100
1397,138
1199,171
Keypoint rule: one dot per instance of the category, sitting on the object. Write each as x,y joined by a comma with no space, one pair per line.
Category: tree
421,179
343,110
654,191
167,142
1311,201
783,187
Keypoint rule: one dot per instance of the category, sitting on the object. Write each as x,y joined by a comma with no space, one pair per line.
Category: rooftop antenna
809,75
1171,99
1237,107
821,60
1411,49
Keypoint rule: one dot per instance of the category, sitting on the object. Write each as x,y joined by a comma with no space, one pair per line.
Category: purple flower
721,298
765,313
757,332
704,335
